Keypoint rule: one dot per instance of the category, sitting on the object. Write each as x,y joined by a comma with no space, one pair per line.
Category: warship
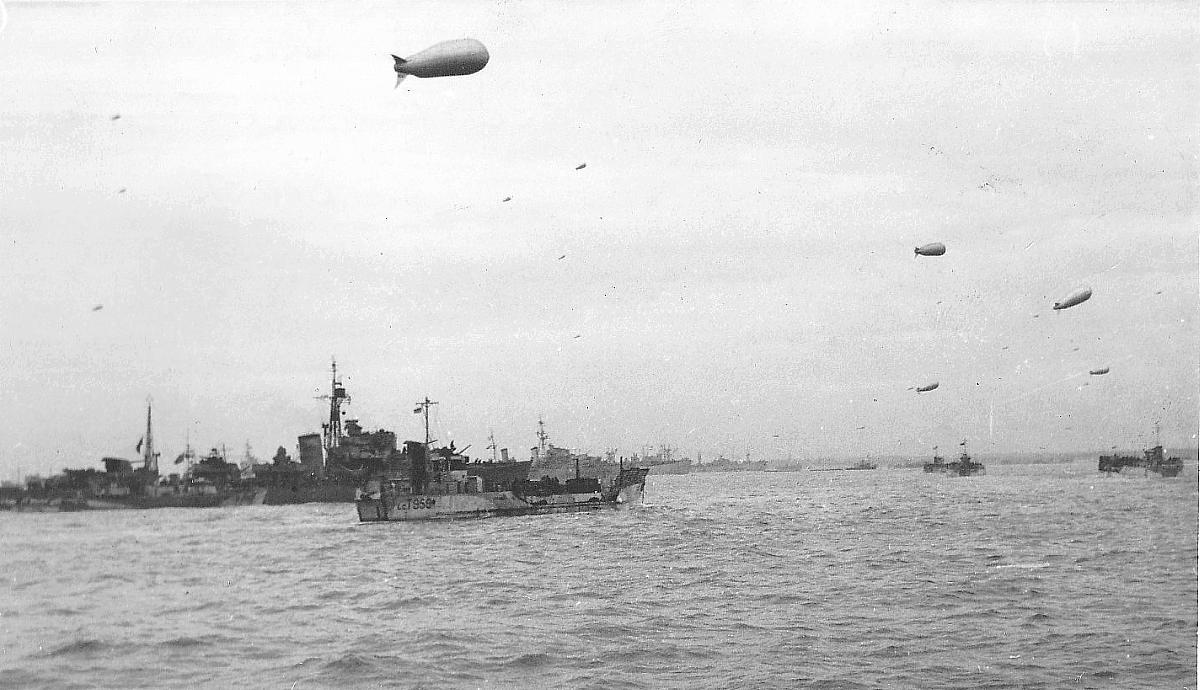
1152,460
938,464
426,483
210,483
965,466
332,464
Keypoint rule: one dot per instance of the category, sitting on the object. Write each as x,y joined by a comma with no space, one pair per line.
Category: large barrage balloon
932,249
1078,297
1099,372
446,59
927,387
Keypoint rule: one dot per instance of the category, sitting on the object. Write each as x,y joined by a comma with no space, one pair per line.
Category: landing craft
445,59
1078,297
933,249
927,387
1099,372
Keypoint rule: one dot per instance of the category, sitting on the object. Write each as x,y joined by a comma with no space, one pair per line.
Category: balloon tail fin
400,75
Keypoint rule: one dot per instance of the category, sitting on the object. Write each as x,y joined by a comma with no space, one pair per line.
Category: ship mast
188,454
149,458
542,437
492,443
424,406
337,395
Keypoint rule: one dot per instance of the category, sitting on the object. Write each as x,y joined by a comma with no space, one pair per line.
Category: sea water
1033,576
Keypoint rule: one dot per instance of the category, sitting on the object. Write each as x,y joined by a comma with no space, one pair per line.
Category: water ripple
880,579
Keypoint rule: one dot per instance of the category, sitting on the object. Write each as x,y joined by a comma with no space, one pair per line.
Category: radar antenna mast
337,397
542,437
424,406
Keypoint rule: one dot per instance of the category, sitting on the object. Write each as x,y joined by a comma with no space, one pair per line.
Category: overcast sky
732,272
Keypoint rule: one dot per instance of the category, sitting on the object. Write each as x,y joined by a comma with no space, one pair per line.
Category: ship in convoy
965,466
427,483
664,461
332,464
1151,460
938,464
724,464
864,464
209,483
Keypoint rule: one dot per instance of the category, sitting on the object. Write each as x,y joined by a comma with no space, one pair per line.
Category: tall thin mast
424,406
542,437
492,443
337,396
149,459
188,455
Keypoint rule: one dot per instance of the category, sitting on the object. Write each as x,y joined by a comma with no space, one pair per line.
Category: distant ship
664,462
938,464
424,483
210,483
863,465
965,466
723,464
1152,460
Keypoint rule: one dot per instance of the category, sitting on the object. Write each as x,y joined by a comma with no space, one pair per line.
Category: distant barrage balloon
1078,297
581,166
446,59
927,387
1101,371
931,249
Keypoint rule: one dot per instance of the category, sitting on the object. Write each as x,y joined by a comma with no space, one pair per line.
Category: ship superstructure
330,465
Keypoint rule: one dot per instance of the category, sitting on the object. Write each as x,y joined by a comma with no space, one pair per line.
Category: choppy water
1032,576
